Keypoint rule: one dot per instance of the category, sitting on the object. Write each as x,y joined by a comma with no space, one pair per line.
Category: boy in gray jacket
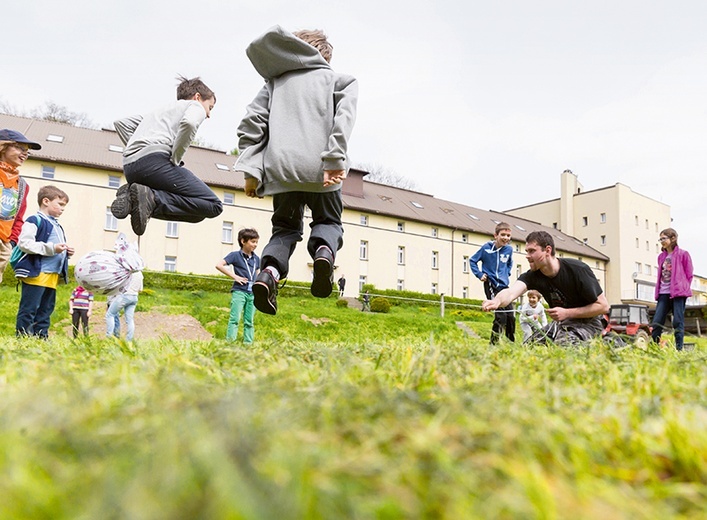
292,145
158,184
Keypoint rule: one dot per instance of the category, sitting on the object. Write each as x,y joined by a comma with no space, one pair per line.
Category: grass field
394,415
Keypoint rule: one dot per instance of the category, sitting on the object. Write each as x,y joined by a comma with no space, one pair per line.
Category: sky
478,102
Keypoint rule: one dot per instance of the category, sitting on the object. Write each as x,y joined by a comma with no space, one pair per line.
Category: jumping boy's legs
179,195
287,230
325,239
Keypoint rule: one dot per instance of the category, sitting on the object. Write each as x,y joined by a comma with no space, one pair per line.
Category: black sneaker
121,205
142,202
323,273
265,293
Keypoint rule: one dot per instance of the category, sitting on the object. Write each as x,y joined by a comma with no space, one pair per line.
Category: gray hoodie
300,122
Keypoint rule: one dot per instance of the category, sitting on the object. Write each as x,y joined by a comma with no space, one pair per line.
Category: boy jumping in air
158,184
292,145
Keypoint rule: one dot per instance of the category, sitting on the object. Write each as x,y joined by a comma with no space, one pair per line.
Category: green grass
367,416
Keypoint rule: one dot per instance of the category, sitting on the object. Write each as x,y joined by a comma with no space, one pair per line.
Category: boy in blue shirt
496,257
44,264
246,266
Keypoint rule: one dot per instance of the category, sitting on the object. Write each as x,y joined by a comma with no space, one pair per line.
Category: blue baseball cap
11,135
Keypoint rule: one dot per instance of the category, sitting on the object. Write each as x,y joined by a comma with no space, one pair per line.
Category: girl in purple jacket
673,286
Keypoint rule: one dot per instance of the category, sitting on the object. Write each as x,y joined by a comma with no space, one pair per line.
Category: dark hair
50,192
188,88
501,226
543,239
246,234
318,40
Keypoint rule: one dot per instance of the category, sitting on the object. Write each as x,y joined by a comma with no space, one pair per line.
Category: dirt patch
150,325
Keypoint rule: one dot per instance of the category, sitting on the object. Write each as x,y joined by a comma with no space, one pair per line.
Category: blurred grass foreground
359,415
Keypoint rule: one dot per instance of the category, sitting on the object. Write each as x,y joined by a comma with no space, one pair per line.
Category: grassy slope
388,416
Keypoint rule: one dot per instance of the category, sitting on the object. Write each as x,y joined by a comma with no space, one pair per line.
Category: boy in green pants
246,266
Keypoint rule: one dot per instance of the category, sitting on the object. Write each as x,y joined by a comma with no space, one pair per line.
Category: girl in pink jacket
672,288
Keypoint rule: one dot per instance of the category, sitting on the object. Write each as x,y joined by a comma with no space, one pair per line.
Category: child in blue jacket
496,257
44,264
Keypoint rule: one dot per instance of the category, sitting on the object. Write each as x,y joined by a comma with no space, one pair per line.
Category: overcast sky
478,102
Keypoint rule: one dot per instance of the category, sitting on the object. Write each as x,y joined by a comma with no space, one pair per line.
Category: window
554,225
229,198
517,248
364,220
648,245
435,231
172,229
585,241
517,271
602,218
400,286
55,138
433,290
639,267
520,228
48,172
646,223
636,219
361,282
111,222
115,148
223,167
603,240
113,181
363,250
401,226
170,263
401,255
465,292
435,259
648,269
465,238
417,204
637,246
585,221
465,264
227,233
472,217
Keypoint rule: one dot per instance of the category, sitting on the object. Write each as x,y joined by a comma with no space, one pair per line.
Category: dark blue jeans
36,307
179,194
663,307
504,319
288,226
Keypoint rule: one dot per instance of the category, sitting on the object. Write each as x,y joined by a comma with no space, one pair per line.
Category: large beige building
622,224
394,238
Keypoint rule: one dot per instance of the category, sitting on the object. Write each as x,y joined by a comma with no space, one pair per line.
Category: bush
380,304
342,302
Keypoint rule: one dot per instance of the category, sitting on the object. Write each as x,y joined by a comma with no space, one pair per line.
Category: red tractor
630,323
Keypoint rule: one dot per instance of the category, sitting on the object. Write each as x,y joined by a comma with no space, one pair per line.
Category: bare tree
51,111
383,175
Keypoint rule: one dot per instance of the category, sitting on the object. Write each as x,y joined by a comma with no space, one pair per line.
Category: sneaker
323,273
121,205
142,202
265,293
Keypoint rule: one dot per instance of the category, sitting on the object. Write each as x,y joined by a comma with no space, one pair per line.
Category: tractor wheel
641,339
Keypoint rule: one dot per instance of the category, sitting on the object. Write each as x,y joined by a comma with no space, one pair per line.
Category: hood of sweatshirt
278,51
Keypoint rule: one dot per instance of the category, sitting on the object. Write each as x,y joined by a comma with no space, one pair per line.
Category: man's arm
599,307
505,297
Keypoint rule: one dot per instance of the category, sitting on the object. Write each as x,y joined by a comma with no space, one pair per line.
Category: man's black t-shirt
574,285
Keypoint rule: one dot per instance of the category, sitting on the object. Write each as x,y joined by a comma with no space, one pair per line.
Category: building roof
64,143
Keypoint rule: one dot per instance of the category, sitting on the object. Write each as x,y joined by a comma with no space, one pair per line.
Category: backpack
17,253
